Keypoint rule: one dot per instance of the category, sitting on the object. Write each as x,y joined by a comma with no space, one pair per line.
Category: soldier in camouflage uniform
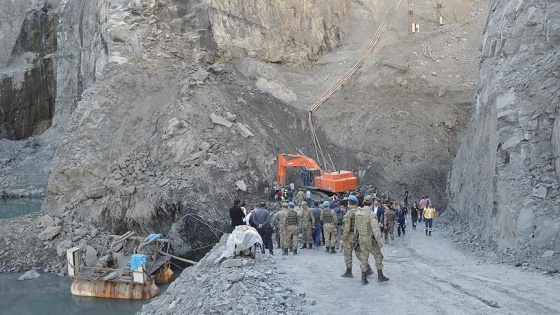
390,221
307,224
281,228
329,219
291,232
349,238
369,239
275,223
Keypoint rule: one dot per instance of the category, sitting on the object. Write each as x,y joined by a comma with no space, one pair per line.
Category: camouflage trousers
349,247
306,234
329,230
366,248
291,237
278,237
389,231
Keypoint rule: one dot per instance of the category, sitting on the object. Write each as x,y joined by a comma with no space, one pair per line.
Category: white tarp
242,238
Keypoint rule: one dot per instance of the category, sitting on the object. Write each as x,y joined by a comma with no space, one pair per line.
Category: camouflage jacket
366,225
349,222
307,218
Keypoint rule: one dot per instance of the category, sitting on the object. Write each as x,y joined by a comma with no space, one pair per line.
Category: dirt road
427,276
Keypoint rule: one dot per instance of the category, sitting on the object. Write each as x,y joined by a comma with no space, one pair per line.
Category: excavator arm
293,160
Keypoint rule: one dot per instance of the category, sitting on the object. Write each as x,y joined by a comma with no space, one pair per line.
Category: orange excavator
314,177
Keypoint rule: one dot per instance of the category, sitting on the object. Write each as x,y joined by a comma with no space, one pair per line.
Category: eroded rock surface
504,184
295,32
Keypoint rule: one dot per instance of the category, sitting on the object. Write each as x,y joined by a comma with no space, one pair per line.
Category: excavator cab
313,177
308,177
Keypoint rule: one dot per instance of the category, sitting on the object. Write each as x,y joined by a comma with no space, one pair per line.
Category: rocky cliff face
50,52
83,52
295,32
172,133
504,183
27,82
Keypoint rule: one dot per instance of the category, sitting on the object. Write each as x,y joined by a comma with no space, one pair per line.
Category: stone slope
503,186
293,32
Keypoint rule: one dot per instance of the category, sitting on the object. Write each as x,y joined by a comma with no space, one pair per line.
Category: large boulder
49,233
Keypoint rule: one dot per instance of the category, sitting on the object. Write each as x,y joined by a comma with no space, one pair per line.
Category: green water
14,207
50,294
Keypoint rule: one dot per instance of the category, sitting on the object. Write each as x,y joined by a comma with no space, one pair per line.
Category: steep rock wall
51,51
503,186
278,31
27,81
83,52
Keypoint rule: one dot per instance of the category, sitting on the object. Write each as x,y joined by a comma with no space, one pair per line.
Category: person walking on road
369,239
423,205
349,237
401,220
307,225
261,219
414,213
429,215
291,224
329,219
236,214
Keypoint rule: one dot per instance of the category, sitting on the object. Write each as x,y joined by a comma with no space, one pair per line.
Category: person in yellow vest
349,239
429,215
307,224
329,219
291,232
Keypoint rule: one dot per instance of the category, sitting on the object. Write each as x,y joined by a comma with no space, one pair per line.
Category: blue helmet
353,198
291,204
326,203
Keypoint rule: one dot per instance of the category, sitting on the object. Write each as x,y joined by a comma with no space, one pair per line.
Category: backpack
339,214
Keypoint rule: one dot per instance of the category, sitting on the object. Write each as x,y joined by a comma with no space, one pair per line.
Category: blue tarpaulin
152,237
137,260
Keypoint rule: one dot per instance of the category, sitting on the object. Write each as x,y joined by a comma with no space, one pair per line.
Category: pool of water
50,294
13,207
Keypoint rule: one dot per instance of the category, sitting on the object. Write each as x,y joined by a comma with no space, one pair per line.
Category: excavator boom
334,182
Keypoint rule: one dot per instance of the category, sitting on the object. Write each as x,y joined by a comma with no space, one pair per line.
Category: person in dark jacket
261,220
236,214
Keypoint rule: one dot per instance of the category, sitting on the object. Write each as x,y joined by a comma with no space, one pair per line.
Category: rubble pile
232,286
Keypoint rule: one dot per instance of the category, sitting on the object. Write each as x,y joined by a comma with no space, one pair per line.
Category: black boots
426,232
364,278
271,252
310,246
369,271
430,233
381,277
285,252
328,249
295,251
332,250
304,246
348,273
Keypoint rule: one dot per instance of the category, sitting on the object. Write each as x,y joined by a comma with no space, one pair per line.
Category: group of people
352,223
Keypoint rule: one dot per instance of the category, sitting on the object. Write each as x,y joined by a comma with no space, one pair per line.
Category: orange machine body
334,182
